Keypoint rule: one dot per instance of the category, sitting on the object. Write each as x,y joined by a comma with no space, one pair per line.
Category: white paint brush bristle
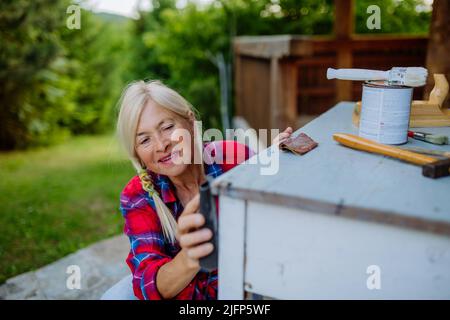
411,76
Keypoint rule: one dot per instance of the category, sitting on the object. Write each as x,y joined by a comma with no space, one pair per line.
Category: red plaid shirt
149,249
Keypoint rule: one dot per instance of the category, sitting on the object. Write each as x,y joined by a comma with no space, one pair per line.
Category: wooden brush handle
440,90
356,74
428,151
355,142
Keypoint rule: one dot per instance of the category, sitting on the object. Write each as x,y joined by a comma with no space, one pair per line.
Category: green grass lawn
57,200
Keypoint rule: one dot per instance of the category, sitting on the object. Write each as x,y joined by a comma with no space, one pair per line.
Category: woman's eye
143,141
168,127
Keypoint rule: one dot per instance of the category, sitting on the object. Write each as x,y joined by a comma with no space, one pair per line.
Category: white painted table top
335,179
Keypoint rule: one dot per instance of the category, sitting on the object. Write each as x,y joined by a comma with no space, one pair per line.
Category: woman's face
154,146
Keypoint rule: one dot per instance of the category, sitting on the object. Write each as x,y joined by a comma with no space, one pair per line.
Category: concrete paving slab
100,266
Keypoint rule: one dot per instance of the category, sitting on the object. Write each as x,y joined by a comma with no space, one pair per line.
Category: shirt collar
167,189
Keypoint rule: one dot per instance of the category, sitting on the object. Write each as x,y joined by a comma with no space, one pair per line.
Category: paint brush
404,76
428,137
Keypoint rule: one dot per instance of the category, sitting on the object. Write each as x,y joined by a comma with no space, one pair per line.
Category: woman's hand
191,238
282,136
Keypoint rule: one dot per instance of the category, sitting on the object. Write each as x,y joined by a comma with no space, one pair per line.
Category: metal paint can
385,111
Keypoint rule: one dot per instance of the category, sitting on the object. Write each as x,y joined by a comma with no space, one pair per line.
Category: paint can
385,111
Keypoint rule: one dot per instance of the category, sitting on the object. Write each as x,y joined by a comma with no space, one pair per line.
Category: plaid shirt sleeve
147,245
148,250
227,153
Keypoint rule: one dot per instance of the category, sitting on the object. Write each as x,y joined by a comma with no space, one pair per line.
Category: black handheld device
209,211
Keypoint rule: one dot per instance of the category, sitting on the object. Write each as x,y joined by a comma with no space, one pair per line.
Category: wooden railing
281,78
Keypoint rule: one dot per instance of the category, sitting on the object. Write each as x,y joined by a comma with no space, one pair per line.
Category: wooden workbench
319,227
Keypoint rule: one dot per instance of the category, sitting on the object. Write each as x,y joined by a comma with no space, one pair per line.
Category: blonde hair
133,100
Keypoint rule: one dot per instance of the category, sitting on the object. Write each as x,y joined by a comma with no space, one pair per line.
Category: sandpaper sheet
300,144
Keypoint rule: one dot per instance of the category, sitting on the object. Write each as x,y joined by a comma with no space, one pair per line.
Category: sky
125,7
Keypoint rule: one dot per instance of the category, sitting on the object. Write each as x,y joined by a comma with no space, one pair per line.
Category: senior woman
160,205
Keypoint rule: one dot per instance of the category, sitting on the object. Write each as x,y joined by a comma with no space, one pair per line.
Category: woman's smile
170,159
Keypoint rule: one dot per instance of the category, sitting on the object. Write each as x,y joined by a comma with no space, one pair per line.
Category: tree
407,16
97,58
55,81
146,62
29,63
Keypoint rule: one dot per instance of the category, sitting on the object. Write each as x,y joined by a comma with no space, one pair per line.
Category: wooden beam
343,30
307,47
238,94
288,94
273,46
343,18
275,89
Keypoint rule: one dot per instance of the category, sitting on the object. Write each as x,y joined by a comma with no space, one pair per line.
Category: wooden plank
343,29
238,92
316,61
253,93
343,87
307,46
263,47
275,94
288,93
273,46
320,91
231,248
369,43
301,48
295,254
388,60
389,43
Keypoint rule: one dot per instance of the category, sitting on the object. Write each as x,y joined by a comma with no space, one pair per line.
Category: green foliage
185,51
146,62
96,53
306,17
55,81
29,66
406,16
